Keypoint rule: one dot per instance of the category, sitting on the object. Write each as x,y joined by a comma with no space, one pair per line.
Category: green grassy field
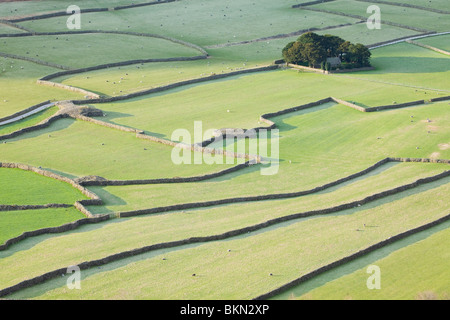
255,256
14,223
20,77
317,146
409,66
23,9
95,48
28,188
242,95
394,283
99,151
28,122
5,29
435,4
440,42
401,15
358,33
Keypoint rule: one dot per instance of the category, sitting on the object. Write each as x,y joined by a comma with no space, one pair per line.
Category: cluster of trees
314,50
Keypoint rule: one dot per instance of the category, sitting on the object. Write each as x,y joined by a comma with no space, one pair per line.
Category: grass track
28,122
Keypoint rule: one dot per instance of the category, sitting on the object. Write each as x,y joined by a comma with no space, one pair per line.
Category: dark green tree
287,53
343,51
294,53
310,37
331,44
313,49
360,55
314,54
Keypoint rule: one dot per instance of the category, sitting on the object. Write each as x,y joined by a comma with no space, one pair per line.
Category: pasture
354,185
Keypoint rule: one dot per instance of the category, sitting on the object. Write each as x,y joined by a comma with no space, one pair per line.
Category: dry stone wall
94,199
176,85
25,111
43,124
429,47
104,182
351,257
60,229
4,207
186,206
126,254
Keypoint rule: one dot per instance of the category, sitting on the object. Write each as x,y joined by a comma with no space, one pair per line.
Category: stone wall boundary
33,60
390,106
311,3
107,124
281,36
130,33
79,205
197,148
352,257
25,111
423,160
54,15
176,85
86,93
349,104
14,25
365,18
228,132
134,252
101,182
94,199
316,70
407,5
43,124
192,147
7,207
428,47
143,4
398,40
117,64
440,99
194,205
61,229
90,10
395,106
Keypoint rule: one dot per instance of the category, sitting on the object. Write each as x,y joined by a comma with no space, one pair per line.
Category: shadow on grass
368,206
34,241
56,126
357,264
284,127
60,282
184,87
108,198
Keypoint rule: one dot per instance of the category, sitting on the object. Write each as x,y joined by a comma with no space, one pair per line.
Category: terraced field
90,124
